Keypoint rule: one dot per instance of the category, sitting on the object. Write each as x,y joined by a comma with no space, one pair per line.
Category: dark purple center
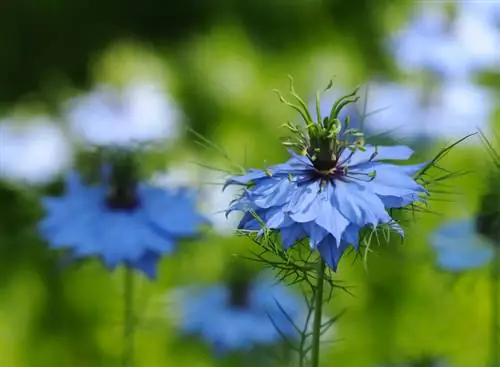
239,293
122,198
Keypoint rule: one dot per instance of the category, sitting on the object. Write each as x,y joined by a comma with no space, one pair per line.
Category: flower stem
129,319
495,308
318,313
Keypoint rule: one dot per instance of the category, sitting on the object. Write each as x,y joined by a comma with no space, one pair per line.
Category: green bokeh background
220,59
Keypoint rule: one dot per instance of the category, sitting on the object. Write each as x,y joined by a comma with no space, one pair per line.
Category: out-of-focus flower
453,48
336,187
213,201
240,315
399,111
34,152
450,111
142,112
459,247
132,224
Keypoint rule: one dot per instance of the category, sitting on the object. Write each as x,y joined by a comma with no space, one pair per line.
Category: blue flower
89,221
448,111
329,205
240,316
434,41
333,189
459,247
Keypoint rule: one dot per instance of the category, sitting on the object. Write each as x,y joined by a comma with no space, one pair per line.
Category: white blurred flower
460,109
453,50
213,201
396,109
454,110
142,112
33,152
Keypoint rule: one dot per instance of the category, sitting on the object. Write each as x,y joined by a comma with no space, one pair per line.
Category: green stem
495,308
129,319
318,313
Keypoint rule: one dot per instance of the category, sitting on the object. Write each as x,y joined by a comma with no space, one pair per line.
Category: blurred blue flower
34,151
448,111
447,46
328,199
133,228
459,247
141,112
240,315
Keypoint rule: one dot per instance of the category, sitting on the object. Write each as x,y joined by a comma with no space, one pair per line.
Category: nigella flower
460,247
240,315
141,112
471,243
448,111
34,151
120,221
334,187
449,46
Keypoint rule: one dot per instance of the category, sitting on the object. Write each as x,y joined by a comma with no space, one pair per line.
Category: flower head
125,223
448,111
241,314
449,46
33,152
459,247
331,189
142,112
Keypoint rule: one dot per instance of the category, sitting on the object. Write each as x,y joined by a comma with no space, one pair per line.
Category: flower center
123,197
239,293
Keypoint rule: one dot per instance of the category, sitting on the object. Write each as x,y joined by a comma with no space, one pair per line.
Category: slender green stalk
318,313
129,319
495,308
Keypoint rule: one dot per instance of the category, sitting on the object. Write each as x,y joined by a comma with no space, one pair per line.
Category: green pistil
320,137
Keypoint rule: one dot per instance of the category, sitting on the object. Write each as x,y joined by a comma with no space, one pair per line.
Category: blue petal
315,232
174,213
147,264
250,176
272,192
461,259
388,183
372,153
330,253
294,166
291,235
359,205
304,202
273,217
329,217
351,235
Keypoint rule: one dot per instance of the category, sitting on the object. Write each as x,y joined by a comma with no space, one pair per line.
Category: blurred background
430,72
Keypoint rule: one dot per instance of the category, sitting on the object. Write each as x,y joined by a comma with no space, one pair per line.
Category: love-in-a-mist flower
459,246
466,244
120,220
332,186
447,111
450,47
34,151
141,112
241,314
